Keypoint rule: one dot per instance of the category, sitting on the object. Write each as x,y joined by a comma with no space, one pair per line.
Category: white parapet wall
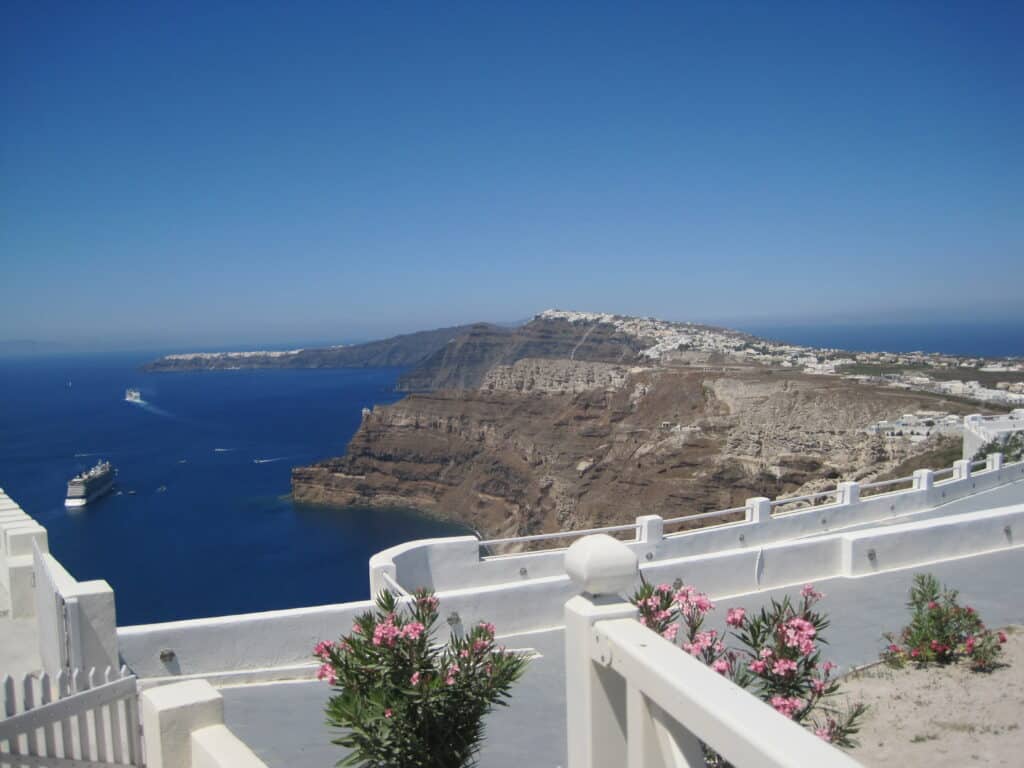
635,699
980,430
77,620
183,724
527,591
18,534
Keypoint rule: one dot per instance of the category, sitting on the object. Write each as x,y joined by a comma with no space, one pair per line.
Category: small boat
133,396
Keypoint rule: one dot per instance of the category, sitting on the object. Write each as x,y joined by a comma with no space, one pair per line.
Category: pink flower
799,633
693,602
464,653
766,653
757,667
818,686
810,593
734,617
701,641
323,650
357,629
428,602
415,679
786,705
828,731
487,627
828,666
932,605
893,648
670,632
412,630
388,713
784,667
386,632
915,653
721,666
1002,637
479,645
663,589
326,672
969,644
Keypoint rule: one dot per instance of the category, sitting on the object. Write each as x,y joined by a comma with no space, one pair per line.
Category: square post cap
601,565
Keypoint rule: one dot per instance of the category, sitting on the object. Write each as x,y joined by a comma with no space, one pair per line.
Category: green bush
1012,448
942,631
405,701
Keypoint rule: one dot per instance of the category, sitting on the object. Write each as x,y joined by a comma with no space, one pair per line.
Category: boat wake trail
267,461
153,409
223,450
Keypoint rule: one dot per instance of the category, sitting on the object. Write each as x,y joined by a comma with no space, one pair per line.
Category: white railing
634,699
805,500
72,719
808,499
458,562
704,516
559,535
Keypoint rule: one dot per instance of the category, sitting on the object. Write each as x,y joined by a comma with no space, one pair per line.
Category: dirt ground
943,716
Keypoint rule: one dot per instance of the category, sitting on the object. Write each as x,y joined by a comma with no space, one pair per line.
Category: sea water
201,523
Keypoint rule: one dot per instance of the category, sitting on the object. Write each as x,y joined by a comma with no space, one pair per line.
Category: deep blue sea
982,339
201,523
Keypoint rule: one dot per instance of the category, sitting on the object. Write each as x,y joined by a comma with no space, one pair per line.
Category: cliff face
464,363
545,444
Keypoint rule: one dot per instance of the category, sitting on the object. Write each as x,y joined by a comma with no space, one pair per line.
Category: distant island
398,351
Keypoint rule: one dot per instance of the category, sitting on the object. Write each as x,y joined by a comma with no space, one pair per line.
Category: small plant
405,701
1012,448
941,631
778,658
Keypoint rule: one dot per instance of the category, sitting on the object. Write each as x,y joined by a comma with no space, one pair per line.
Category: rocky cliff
464,363
578,436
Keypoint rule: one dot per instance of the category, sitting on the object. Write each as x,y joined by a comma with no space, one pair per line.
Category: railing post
994,461
650,530
924,479
759,509
848,493
171,713
962,469
602,568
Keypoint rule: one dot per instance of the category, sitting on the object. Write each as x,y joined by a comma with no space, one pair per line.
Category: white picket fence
73,720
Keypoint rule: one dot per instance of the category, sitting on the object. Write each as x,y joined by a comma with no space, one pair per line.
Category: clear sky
207,173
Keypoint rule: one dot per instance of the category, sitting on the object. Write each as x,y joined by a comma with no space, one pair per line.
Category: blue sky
266,172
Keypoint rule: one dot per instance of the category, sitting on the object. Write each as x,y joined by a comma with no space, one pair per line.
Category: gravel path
943,716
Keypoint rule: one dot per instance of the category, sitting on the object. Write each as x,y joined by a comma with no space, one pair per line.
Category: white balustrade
634,699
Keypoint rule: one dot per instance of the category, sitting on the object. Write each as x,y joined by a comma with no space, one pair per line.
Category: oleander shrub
941,631
406,701
1012,448
775,654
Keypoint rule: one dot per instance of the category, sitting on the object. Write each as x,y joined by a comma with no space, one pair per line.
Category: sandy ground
943,716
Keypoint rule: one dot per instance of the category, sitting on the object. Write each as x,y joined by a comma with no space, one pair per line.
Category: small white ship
133,396
90,485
